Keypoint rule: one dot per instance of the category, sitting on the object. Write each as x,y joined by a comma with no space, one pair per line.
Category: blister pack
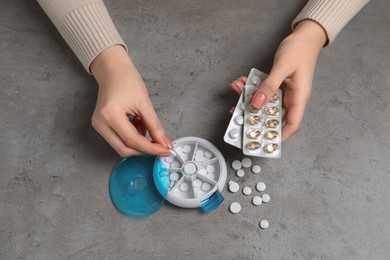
256,132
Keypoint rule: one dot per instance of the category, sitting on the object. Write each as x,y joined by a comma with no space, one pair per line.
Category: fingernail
167,142
167,154
258,100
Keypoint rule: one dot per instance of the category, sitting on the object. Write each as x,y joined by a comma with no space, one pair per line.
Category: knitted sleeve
332,15
85,25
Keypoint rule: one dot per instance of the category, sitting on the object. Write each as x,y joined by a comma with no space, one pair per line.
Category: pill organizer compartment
193,176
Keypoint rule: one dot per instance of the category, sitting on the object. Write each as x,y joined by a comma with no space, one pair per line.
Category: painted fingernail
258,100
167,142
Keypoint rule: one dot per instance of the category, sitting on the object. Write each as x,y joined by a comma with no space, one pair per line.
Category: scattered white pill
239,120
265,198
246,162
197,183
186,148
257,200
264,224
256,168
208,154
210,168
206,186
247,190
260,186
236,165
184,186
240,173
175,165
234,187
234,133
235,207
174,176
211,176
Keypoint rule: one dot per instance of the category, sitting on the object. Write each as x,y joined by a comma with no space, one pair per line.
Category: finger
294,118
237,86
154,127
231,111
114,140
269,86
127,132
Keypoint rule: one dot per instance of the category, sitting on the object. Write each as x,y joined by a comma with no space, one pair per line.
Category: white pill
169,159
206,186
247,190
175,165
246,162
236,165
230,182
234,187
197,183
239,120
186,148
242,106
210,168
199,152
208,154
211,176
240,173
256,168
264,224
171,184
179,150
260,186
257,200
174,176
255,80
265,198
235,207
199,158
202,172
184,186
234,133
184,157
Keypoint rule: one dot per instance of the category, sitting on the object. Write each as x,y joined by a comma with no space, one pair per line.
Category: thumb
268,87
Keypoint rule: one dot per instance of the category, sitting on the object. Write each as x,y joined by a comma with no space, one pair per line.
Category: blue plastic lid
132,188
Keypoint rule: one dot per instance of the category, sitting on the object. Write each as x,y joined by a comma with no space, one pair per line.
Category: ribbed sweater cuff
89,30
332,15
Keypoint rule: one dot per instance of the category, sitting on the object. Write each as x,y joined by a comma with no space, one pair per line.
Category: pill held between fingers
246,162
257,200
236,165
265,198
256,168
260,186
234,187
235,207
240,173
247,190
264,224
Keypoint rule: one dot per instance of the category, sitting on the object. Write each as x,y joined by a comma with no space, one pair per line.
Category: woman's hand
294,65
122,96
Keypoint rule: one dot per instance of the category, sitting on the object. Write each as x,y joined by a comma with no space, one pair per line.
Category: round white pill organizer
192,177
202,174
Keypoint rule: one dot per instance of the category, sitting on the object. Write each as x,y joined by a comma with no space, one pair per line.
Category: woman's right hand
123,95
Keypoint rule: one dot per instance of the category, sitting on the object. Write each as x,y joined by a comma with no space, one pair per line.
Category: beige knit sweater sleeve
88,29
332,15
85,25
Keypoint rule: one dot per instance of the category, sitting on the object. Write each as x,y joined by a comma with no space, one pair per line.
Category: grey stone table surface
330,195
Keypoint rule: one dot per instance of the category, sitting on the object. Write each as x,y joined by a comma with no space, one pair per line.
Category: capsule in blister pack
262,128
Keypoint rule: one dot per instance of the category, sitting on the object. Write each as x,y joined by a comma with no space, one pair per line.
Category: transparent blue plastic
132,188
211,202
161,177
